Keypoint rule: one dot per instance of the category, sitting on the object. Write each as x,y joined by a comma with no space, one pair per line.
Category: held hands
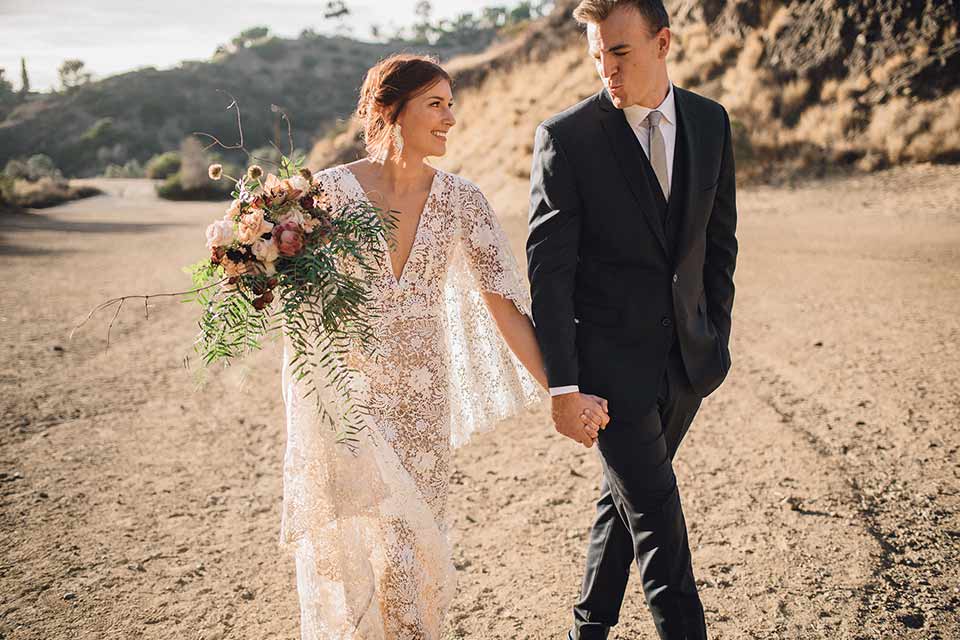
580,416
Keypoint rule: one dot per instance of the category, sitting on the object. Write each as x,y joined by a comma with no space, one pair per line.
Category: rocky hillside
813,86
139,114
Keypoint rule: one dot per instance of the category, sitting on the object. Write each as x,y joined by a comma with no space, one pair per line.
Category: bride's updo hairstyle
389,85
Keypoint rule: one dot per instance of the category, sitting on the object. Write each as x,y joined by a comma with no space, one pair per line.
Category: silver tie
658,151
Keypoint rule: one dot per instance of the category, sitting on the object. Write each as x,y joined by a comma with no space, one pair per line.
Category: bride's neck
405,175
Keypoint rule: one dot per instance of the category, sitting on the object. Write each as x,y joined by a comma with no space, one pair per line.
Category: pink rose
220,233
289,238
291,214
252,226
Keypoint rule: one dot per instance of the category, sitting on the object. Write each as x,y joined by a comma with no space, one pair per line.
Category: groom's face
630,57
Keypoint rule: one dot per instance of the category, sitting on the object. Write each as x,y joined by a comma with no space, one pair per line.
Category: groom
631,256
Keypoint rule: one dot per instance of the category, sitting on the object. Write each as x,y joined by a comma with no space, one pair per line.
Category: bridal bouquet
276,264
273,266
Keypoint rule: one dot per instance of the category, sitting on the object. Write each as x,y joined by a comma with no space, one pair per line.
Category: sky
111,36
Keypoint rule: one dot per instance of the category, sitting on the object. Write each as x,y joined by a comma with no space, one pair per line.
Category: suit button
666,322
675,278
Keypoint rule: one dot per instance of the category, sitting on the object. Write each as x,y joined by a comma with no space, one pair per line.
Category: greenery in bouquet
276,264
273,266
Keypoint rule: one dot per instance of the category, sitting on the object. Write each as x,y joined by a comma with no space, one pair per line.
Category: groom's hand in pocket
579,416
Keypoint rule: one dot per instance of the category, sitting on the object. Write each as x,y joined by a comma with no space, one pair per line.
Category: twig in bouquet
216,141
146,297
239,145
283,114
112,320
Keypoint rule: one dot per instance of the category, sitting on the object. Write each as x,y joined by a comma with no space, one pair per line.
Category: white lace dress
369,529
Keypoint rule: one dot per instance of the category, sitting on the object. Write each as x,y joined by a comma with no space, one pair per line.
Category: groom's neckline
636,114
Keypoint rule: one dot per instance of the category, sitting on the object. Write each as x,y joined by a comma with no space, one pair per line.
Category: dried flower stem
119,301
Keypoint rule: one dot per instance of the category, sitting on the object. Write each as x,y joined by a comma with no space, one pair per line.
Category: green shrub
132,169
98,131
39,166
163,165
7,203
172,189
45,192
271,49
16,168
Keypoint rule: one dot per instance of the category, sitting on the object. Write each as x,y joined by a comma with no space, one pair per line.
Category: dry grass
907,130
47,192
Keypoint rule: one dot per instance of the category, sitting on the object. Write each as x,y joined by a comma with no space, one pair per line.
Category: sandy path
820,483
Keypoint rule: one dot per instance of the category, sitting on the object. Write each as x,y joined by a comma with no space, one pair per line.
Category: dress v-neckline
398,281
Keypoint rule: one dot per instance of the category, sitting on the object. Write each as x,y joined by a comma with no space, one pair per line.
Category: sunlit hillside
812,87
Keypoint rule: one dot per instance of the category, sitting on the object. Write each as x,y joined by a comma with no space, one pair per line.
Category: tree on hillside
8,99
24,78
72,74
493,17
523,11
336,9
245,38
422,28
6,89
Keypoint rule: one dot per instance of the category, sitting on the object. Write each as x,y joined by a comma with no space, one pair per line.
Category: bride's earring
397,139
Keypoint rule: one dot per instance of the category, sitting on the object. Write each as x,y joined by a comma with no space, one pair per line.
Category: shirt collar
636,114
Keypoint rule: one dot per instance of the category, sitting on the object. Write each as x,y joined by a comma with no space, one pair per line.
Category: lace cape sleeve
487,382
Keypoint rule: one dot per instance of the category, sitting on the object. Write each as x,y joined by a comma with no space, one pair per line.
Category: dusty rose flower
220,233
254,172
266,251
291,214
252,226
215,171
272,182
289,238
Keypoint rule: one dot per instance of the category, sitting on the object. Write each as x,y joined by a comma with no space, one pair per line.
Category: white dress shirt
668,127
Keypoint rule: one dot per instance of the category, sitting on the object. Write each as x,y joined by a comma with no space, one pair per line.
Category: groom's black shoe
593,633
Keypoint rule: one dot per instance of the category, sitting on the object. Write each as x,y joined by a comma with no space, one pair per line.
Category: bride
456,353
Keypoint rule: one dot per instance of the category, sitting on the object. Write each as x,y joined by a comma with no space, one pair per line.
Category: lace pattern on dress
368,530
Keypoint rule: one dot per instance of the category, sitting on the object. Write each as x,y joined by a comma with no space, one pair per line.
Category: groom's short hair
596,11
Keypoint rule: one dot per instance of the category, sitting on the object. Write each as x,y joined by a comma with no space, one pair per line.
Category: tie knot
653,118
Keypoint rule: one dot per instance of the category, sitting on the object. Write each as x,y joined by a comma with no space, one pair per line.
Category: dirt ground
820,483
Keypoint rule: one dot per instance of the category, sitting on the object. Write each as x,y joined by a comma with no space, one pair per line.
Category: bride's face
426,119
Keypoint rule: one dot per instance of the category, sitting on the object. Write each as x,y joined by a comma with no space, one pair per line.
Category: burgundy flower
289,238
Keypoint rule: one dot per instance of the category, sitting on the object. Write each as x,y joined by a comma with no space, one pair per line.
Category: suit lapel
630,157
680,198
